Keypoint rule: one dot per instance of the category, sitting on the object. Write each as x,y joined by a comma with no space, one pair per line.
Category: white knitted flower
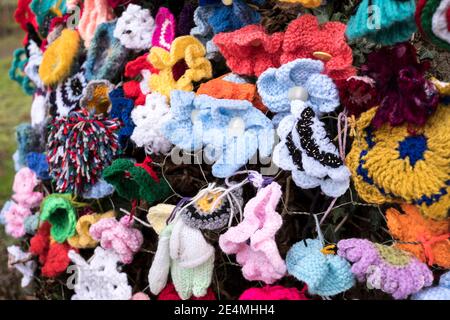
23,263
134,28
306,150
98,278
34,61
148,120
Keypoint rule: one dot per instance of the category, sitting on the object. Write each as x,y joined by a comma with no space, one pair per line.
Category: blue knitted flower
325,274
204,32
38,163
440,292
275,83
99,190
230,130
386,22
121,109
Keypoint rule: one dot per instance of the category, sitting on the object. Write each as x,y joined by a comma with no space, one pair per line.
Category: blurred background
14,109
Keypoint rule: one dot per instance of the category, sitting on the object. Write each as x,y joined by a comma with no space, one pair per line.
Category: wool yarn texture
95,12
58,210
253,240
273,293
83,239
325,274
158,215
394,164
387,268
433,21
26,268
165,29
169,293
17,71
439,292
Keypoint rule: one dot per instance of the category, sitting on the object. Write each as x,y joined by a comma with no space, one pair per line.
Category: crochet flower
357,94
230,130
59,58
92,136
99,277
394,164
68,94
165,29
301,77
118,236
253,240
307,151
135,28
386,268
95,12
22,262
32,67
106,57
439,292
186,53
52,255
38,163
44,8
405,95
184,252
433,21
134,181
325,274
140,70
82,239
391,21
203,30
121,108
233,87
59,211
17,71
149,120
426,239
273,293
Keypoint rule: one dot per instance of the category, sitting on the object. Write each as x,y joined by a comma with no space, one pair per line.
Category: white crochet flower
98,278
23,262
306,150
34,61
134,28
148,120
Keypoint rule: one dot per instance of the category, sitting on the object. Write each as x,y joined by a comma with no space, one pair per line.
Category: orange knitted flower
220,88
431,238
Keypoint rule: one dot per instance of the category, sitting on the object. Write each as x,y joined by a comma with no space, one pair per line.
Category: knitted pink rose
118,236
253,240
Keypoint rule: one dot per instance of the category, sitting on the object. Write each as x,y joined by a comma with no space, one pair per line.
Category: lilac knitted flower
387,268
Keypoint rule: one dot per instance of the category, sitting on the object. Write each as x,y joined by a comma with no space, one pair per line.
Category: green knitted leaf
59,212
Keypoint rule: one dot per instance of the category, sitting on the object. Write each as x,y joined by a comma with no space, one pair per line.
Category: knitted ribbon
146,166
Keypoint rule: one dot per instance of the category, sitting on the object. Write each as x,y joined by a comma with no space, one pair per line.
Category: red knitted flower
169,293
357,94
306,38
134,69
24,16
250,50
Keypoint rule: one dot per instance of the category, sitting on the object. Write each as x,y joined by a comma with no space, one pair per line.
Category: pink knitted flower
253,240
164,30
95,12
250,50
118,236
25,199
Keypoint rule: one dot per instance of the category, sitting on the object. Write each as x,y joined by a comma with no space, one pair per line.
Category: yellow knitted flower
83,239
59,57
395,164
306,3
185,49
158,215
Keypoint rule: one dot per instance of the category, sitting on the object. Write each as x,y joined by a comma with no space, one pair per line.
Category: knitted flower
394,164
405,95
92,136
204,32
386,22
165,28
386,268
307,151
357,94
96,96
101,189
439,292
433,21
186,53
24,16
59,58
170,293
99,278
230,130
134,181
273,293
32,65
326,274
234,87
300,79
28,139
426,239
121,109
158,215
43,8
140,70
119,236
106,57
68,94
149,120
17,71
58,210
253,240
38,163
82,239
22,262
134,28
95,12
52,255
184,252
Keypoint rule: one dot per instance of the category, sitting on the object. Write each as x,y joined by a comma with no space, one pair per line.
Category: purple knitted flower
387,268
